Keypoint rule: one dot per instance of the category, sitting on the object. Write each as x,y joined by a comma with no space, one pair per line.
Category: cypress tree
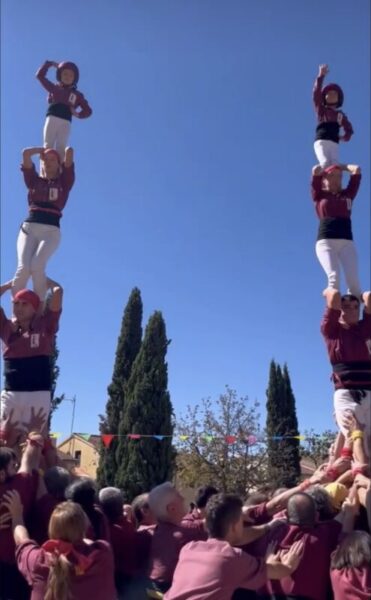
128,346
146,462
283,454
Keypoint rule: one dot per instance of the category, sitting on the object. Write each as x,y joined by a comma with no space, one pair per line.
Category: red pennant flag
107,439
230,439
134,436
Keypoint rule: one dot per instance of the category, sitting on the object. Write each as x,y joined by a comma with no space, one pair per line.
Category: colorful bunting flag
230,439
251,440
134,436
107,439
207,438
184,438
159,437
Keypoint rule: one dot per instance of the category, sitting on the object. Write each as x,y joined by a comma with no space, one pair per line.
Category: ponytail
58,584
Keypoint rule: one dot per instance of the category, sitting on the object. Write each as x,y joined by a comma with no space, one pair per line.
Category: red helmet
336,88
68,65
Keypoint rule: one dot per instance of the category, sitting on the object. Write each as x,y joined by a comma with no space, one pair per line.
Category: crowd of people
63,539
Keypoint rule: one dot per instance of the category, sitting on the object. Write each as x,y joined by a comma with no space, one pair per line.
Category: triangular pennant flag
107,439
55,435
208,438
230,439
134,436
299,437
277,438
86,436
251,440
159,437
183,438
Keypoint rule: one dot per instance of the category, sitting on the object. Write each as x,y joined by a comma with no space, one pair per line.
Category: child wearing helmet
327,103
65,101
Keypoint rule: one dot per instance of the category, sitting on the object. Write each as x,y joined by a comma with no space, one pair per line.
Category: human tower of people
61,540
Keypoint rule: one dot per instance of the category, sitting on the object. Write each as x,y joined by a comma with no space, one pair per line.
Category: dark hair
322,502
111,500
203,494
6,455
350,297
222,511
137,506
83,491
56,481
353,552
301,510
256,498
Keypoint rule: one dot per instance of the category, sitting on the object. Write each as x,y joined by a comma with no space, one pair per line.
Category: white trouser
35,245
327,152
332,253
23,412
344,404
56,134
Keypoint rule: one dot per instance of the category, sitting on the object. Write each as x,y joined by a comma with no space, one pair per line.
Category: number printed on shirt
35,340
53,194
72,98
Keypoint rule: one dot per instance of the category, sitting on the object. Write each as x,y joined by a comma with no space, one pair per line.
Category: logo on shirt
72,98
53,194
368,344
35,340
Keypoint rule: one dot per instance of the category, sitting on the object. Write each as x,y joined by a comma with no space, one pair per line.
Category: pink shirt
351,584
96,583
167,542
214,570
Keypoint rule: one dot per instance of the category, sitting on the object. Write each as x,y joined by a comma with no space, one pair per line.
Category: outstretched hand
323,70
11,500
292,557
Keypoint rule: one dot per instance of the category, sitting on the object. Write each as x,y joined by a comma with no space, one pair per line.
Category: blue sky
192,184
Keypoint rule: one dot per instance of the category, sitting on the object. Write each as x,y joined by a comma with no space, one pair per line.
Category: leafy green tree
316,446
213,445
146,462
128,346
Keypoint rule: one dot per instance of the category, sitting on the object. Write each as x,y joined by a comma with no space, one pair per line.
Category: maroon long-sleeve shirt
329,119
334,210
62,98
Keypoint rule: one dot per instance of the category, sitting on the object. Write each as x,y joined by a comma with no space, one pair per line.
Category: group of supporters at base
62,539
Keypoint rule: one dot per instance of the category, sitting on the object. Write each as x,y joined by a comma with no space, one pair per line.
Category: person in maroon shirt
83,490
67,565
335,247
327,102
28,343
142,514
351,567
348,341
64,99
203,494
25,482
130,547
39,235
214,569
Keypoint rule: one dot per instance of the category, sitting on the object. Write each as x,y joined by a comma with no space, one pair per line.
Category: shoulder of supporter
31,561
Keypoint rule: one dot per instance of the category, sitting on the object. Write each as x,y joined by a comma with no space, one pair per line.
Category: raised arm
56,298
366,297
330,322
27,155
32,453
4,287
12,502
41,75
317,88
354,181
316,184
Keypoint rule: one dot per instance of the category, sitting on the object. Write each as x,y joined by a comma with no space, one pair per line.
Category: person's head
332,95
224,519
301,510
337,493
67,525
166,503
56,481
111,499
203,494
25,305
256,498
322,501
349,309
8,464
50,164
83,491
353,552
67,73
142,511
332,179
